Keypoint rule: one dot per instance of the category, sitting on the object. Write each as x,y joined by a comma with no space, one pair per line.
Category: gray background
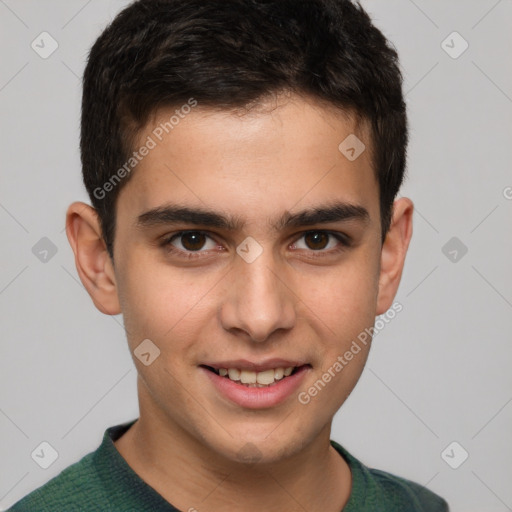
438,373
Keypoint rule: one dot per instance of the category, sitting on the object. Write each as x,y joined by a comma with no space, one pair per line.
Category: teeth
234,374
256,379
266,377
279,373
248,377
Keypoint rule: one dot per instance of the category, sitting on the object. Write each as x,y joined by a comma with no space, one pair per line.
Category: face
249,244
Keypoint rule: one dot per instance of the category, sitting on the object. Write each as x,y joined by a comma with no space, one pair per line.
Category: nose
259,302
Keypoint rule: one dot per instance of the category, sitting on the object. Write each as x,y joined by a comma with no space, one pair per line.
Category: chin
258,448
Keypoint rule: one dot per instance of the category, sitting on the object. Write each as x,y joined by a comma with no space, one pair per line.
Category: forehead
285,155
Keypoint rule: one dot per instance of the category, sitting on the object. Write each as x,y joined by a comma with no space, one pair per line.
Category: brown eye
191,245
322,242
316,240
193,241
189,242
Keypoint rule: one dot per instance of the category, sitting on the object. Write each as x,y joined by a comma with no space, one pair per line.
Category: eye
322,241
189,242
192,244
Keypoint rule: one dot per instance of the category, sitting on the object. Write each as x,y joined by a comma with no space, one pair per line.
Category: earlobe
393,253
91,257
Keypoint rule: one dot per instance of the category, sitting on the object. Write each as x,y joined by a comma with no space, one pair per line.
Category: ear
92,259
393,253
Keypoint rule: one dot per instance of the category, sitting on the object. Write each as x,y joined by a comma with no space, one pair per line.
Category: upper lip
260,366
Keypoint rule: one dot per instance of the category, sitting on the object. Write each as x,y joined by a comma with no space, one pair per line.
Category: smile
251,378
255,386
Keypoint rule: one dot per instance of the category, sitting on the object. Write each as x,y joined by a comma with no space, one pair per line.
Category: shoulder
379,491
100,480
404,494
76,488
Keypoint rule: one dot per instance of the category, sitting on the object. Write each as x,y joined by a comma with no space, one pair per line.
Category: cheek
344,303
344,298
160,302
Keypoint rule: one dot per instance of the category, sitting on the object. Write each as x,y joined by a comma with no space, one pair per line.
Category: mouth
256,385
256,379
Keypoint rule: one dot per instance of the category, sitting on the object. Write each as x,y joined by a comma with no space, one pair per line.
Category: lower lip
257,398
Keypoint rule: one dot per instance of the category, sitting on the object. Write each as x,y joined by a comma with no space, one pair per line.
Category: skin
282,157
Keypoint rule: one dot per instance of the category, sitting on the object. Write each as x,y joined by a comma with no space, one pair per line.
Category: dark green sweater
103,481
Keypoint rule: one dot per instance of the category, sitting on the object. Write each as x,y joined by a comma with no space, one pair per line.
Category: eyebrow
174,214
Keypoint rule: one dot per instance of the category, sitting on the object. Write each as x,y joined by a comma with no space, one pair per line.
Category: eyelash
344,240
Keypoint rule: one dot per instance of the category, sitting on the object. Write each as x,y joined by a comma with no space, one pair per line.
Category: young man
242,158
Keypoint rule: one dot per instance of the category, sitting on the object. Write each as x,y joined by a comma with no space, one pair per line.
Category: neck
191,477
